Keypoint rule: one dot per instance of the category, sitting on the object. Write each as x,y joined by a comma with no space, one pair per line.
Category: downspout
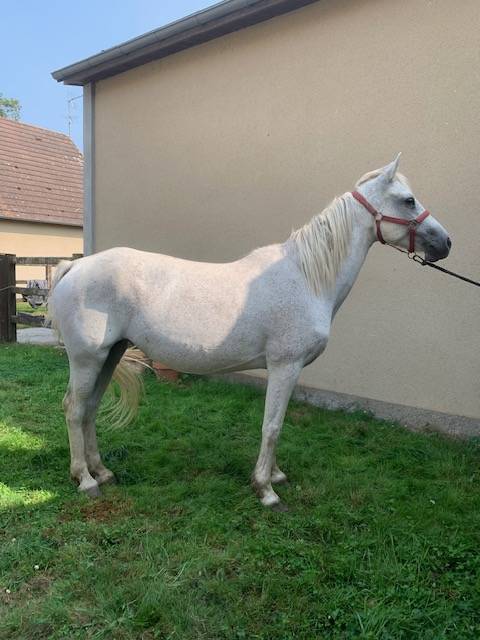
89,168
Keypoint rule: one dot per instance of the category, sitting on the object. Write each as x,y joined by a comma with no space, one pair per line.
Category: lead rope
425,263
411,249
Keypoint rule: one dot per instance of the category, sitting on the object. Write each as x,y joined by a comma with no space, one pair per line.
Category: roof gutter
200,27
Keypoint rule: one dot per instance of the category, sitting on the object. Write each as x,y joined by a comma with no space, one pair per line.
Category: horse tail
61,270
122,407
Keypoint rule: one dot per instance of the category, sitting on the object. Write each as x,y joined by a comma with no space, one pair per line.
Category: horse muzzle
438,250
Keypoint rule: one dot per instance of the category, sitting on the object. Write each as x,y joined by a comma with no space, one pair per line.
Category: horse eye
410,202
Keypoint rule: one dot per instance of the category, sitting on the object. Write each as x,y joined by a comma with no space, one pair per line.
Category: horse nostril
449,243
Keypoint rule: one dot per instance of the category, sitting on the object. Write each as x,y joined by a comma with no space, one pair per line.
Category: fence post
8,304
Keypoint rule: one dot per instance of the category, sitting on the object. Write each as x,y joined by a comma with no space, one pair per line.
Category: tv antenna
70,113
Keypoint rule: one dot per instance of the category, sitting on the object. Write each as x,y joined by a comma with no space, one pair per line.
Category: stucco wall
36,239
213,151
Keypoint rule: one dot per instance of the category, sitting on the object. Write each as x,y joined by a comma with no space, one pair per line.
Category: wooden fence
9,318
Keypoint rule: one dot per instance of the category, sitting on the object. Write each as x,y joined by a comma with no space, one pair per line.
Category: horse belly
189,357
198,341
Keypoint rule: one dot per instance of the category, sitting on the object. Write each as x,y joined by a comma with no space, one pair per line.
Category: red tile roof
41,175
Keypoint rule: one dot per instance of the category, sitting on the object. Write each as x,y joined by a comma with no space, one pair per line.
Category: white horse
272,309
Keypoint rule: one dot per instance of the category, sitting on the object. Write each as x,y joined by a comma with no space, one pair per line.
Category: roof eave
59,222
198,28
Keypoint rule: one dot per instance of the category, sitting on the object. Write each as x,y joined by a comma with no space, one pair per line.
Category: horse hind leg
77,403
94,462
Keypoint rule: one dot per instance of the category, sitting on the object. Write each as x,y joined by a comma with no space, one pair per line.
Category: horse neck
363,237
331,269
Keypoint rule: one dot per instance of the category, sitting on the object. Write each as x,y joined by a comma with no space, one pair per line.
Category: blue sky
38,36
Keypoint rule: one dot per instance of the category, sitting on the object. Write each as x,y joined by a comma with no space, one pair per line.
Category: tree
9,108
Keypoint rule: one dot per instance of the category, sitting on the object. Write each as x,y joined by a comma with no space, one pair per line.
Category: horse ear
391,169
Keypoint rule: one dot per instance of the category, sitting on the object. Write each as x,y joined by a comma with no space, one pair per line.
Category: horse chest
315,347
301,342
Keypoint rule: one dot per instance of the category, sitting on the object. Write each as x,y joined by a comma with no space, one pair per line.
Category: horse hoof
91,492
280,507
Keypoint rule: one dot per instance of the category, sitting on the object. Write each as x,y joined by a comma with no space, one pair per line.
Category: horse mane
323,243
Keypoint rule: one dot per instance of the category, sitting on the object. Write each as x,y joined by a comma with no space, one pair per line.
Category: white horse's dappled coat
271,309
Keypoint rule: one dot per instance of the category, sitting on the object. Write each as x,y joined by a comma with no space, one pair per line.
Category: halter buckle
378,216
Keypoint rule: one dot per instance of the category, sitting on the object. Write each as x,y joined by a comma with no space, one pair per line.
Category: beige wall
36,239
218,149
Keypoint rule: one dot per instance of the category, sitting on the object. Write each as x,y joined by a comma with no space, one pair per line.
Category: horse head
400,219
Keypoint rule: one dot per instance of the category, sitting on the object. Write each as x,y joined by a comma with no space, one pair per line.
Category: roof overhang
205,25
32,218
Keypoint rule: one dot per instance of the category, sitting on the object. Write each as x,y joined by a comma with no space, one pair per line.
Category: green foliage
381,540
9,108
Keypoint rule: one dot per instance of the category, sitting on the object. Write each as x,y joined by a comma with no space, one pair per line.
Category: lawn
24,307
381,540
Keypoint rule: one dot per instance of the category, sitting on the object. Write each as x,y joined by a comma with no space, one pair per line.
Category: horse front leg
282,378
278,477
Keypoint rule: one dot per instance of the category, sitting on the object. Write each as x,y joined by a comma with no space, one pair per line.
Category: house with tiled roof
41,193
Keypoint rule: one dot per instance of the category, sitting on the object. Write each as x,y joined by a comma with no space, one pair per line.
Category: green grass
382,539
24,307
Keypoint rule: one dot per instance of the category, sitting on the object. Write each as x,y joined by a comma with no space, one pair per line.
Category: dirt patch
38,585
102,510
105,510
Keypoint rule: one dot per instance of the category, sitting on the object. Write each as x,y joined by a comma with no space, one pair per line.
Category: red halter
412,224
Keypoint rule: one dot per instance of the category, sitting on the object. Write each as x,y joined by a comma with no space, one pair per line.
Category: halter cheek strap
379,217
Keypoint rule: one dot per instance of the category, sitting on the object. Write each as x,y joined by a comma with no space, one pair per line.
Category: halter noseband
412,224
